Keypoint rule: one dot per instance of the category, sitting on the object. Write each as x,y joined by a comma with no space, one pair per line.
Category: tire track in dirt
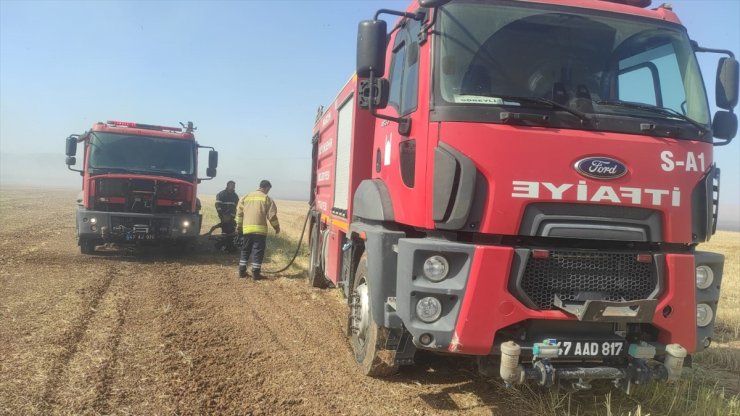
188,343
105,376
70,342
312,333
264,326
174,338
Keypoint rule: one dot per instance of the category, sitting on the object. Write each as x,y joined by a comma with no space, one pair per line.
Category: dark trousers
227,227
254,244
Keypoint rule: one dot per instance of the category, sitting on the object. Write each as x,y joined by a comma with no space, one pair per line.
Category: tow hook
546,373
542,352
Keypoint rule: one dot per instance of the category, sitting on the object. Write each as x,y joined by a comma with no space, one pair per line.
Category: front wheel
367,337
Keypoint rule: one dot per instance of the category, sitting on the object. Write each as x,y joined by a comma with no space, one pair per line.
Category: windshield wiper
541,100
657,110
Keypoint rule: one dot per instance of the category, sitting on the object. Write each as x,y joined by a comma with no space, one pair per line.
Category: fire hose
239,242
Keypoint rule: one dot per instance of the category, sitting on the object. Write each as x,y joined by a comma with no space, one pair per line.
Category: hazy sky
250,74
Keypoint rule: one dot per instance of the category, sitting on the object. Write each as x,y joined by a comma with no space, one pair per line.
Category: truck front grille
577,276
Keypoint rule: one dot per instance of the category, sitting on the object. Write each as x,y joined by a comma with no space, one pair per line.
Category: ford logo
600,167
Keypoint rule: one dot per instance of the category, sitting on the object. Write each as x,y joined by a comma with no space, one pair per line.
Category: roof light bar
121,123
142,126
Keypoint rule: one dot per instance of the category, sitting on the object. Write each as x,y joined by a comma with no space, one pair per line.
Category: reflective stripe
226,203
256,198
261,229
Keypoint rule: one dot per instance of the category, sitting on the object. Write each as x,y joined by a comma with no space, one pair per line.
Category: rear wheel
367,337
316,276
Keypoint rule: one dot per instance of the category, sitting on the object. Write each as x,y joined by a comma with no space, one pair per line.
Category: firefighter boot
256,275
243,273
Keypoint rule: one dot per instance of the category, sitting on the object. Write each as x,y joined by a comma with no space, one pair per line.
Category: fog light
436,268
93,220
704,314
428,309
94,227
704,276
425,339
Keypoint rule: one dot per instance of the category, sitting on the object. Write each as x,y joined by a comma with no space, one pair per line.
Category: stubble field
160,333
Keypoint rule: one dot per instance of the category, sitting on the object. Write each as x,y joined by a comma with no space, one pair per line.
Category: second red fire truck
139,184
524,182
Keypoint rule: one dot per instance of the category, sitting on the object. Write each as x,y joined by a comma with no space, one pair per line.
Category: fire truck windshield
488,54
114,153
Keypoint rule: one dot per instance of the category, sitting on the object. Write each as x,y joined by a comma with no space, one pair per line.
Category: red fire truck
524,182
139,184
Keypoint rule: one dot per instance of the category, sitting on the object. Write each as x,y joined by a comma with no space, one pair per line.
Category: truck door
400,157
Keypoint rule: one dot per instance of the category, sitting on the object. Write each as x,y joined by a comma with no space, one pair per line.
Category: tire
87,246
366,336
316,277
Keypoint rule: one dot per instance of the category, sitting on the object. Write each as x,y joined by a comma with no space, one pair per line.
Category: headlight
704,276
428,309
93,220
704,314
436,268
186,223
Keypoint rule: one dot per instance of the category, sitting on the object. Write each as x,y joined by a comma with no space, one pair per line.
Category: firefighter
226,202
252,214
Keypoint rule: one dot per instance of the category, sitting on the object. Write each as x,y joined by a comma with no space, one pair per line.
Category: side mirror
211,172
71,160
727,84
371,43
376,92
724,126
212,161
71,147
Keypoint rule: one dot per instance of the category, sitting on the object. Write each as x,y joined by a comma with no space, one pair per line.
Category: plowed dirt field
161,333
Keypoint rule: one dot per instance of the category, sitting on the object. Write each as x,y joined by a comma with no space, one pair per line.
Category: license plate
591,348
144,236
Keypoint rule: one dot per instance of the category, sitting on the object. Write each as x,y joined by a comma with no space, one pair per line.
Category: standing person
252,214
226,202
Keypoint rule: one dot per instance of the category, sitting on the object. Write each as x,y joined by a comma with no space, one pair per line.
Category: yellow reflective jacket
253,212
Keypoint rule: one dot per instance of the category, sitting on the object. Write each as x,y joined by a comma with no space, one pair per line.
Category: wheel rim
361,312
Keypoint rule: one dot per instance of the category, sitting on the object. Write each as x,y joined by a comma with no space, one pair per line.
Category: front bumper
478,304
127,227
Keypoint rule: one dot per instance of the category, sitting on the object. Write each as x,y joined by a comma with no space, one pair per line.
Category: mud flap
400,341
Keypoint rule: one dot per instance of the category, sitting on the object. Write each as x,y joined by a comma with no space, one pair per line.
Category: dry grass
728,314
281,246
